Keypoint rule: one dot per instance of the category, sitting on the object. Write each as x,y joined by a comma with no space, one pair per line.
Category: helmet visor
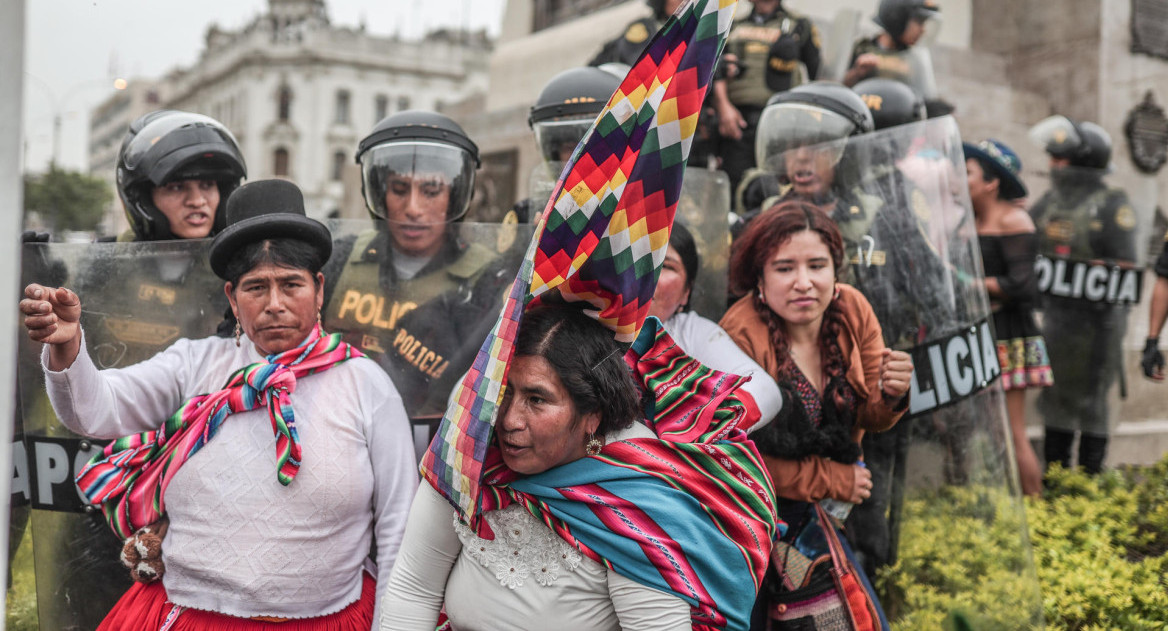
417,182
1057,135
557,139
785,127
169,147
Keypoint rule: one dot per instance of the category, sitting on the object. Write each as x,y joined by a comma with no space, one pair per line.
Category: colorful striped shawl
604,233
130,476
690,512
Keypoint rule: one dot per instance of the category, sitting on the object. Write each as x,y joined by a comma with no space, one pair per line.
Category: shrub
1100,556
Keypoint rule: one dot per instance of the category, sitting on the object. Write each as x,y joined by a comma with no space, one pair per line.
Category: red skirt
144,607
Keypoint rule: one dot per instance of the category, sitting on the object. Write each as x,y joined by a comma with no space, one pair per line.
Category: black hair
282,252
989,173
681,239
588,361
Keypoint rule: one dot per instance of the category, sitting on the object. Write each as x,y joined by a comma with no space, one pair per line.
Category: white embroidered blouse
526,578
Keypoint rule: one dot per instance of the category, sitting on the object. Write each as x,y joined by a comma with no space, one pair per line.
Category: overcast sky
75,48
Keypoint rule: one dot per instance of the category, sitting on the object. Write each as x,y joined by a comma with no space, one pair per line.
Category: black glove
786,47
1153,360
30,236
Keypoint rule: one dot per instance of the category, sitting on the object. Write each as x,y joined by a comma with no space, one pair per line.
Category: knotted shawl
690,512
130,476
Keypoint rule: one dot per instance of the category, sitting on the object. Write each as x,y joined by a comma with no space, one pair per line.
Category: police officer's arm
1159,304
862,66
1152,361
1117,239
730,121
810,54
52,316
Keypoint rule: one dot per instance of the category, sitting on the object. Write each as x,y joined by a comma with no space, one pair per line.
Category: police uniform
626,48
773,52
1081,218
891,64
424,331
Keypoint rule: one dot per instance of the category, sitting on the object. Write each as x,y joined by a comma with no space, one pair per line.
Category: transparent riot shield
704,208
423,324
945,479
137,299
1092,246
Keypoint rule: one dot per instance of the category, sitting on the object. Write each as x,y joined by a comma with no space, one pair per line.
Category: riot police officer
1152,361
626,48
1081,221
902,23
768,51
412,293
174,173
564,111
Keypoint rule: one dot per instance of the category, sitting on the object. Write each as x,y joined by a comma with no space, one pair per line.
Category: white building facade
299,93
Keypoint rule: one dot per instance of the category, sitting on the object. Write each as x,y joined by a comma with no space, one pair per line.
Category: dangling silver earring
593,446
237,332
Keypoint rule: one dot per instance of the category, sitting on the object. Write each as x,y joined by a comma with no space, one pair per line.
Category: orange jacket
861,342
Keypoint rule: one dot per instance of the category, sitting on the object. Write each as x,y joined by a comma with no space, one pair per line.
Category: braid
777,337
834,363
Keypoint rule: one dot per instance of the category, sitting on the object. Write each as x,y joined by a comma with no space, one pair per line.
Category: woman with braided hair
819,339
256,539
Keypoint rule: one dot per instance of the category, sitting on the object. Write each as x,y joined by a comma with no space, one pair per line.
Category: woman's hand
861,485
52,315
896,369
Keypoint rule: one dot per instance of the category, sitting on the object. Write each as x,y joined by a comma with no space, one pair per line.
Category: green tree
66,200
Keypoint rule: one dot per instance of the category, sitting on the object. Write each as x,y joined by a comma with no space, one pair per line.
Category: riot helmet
891,102
894,16
168,146
1083,144
814,118
417,156
567,107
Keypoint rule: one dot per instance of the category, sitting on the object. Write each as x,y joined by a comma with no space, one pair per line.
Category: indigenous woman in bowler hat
275,457
1009,247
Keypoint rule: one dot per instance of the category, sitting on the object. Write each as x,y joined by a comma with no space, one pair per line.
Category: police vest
147,309
752,43
1085,224
373,315
891,64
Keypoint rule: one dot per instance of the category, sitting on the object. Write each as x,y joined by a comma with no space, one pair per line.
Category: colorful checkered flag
604,234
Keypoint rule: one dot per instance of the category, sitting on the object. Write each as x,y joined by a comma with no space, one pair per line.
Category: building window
380,108
280,162
341,116
285,103
338,165
403,103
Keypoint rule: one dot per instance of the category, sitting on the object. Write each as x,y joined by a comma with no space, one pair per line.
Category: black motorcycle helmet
893,15
567,107
418,142
816,113
891,102
169,145
1085,144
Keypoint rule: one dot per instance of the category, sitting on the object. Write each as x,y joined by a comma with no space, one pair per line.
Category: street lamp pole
57,104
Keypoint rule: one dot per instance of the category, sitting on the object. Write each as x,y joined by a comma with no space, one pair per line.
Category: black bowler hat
266,209
1003,163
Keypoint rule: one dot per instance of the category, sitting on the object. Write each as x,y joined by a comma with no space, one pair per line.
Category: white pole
11,214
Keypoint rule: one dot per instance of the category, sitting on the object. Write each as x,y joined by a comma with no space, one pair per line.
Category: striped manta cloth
690,512
129,478
603,235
